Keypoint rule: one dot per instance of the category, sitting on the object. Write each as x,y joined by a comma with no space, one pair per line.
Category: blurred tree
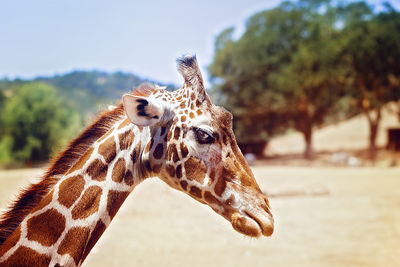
372,50
312,80
35,124
282,71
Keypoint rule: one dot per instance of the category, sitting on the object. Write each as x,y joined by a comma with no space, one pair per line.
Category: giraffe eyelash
203,136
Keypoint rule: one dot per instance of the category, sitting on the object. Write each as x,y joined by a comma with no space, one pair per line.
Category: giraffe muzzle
254,223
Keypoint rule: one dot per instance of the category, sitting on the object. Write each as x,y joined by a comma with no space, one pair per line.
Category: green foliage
35,124
282,71
300,65
6,144
372,50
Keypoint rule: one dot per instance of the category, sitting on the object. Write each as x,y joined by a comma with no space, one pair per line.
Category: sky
47,37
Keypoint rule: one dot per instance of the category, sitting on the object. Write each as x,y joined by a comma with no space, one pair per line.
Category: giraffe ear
142,110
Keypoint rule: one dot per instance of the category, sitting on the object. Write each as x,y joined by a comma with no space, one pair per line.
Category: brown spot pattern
95,235
158,151
125,140
171,170
88,204
59,166
177,133
108,149
169,135
79,164
156,168
24,256
183,118
184,184
210,198
179,171
114,201
46,227
134,154
97,170
220,186
173,153
195,169
224,139
128,178
211,176
195,191
118,171
70,190
147,165
184,150
74,243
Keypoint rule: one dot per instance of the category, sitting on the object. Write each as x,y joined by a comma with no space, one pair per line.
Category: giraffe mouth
251,224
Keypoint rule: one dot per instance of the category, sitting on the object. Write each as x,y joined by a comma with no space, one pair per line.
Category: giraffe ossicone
179,136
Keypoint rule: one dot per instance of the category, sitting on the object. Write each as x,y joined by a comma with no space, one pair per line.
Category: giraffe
179,136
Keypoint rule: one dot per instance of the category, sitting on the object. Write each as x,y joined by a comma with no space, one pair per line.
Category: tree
312,81
239,89
35,123
283,70
372,50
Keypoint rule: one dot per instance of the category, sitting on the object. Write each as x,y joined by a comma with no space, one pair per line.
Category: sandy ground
346,135
356,224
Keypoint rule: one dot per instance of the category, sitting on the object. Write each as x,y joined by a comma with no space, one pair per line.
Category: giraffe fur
179,136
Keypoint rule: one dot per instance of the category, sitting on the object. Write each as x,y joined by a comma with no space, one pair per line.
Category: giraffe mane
32,195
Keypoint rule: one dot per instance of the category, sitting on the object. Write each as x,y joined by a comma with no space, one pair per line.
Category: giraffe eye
203,137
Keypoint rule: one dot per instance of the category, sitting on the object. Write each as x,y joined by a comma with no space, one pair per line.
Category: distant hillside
88,91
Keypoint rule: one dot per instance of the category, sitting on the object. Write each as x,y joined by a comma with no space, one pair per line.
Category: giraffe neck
73,215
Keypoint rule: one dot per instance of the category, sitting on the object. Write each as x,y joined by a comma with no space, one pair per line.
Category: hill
87,91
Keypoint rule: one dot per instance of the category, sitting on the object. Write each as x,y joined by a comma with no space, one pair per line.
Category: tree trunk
307,133
373,132
398,110
304,123
372,141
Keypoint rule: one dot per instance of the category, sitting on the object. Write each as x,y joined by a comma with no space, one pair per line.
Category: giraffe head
191,146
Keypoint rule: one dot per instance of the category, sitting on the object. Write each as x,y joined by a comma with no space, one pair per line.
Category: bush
34,124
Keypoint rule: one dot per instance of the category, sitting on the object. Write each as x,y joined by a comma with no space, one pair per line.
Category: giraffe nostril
266,209
266,201
265,205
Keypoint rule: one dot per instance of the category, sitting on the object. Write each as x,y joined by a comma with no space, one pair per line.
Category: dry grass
356,224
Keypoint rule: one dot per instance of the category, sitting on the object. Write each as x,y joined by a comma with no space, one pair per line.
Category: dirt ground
355,221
